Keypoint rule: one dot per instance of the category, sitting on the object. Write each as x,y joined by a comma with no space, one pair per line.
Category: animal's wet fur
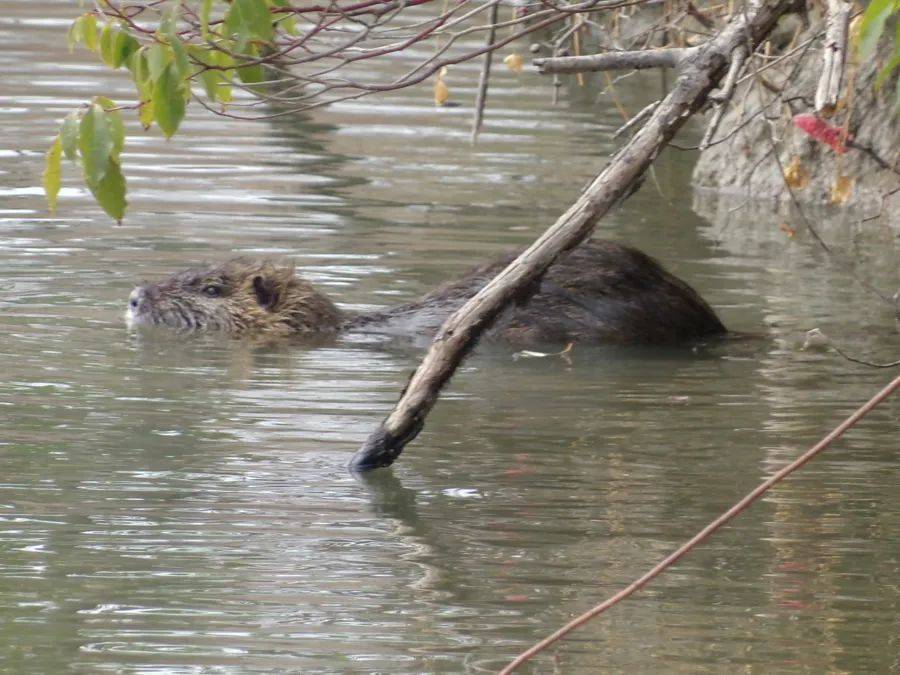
600,292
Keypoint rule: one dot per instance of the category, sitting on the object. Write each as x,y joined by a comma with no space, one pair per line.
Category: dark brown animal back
607,293
600,292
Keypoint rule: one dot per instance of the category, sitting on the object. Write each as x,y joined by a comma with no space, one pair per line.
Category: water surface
171,506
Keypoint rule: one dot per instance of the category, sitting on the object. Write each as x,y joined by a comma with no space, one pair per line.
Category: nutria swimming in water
599,292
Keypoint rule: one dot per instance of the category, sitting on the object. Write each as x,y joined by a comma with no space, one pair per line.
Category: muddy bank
747,165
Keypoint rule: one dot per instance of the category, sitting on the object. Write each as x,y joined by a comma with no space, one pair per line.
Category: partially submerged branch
699,74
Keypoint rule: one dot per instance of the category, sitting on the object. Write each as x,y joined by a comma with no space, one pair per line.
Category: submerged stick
704,534
457,337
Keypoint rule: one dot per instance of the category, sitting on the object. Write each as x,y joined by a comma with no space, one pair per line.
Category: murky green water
175,507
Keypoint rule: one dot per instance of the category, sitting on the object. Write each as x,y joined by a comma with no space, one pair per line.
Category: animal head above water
241,297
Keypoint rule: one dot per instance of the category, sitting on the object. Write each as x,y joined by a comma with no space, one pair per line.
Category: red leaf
822,131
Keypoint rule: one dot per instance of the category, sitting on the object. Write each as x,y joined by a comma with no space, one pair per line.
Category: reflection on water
182,506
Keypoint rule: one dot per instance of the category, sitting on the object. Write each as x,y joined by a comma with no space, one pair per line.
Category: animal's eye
212,290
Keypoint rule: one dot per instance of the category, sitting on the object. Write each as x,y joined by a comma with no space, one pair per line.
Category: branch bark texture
698,75
834,55
637,60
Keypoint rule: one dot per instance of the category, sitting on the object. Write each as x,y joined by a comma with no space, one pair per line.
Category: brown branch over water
705,533
636,60
697,77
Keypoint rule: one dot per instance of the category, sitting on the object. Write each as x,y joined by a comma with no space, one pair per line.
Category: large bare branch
698,75
833,55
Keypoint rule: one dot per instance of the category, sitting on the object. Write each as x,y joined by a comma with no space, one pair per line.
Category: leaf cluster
163,67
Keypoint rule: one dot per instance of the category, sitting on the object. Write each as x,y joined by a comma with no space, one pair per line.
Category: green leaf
106,44
253,74
205,11
259,18
287,22
181,58
53,173
168,101
116,46
872,26
169,20
158,57
146,115
137,64
226,62
250,18
209,66
140,72
110,192
210,80
95,142
116,126
68,134
125,45
236,26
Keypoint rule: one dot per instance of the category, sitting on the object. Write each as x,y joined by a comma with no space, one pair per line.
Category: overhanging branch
636,60
699,73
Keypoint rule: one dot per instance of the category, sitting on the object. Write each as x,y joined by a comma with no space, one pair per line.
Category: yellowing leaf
841,190
514,62
796,175
89,32
441,91
53,173
76,33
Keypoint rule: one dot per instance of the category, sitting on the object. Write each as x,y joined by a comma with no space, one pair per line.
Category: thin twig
738,57
484,77
705,533
637,119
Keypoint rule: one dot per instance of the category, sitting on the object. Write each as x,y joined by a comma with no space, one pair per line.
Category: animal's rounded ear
267,290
